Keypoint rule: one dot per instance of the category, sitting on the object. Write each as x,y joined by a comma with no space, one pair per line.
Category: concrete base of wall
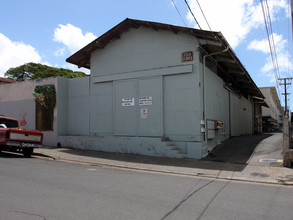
149,146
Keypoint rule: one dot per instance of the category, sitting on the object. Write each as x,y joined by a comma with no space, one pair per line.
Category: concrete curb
219,170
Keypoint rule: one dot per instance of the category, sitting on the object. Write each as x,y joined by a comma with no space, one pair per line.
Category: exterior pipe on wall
204,87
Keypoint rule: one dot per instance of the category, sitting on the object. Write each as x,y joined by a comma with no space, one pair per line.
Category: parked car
14,138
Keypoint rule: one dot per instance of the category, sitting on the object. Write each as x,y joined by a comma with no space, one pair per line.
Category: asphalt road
41,189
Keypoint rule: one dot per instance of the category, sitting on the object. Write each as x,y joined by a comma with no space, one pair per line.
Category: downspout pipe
204,88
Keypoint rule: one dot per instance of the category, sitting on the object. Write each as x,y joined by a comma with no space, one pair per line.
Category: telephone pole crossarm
287,81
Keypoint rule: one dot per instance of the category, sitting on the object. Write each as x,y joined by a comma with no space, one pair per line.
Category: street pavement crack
31,214
186,198
210,202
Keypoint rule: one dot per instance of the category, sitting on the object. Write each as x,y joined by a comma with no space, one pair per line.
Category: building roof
275,96
5,80
229,67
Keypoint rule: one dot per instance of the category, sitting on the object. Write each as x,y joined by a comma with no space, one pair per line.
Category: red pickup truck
16,139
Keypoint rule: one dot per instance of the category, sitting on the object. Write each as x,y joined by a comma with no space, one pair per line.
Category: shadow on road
161,161
235,151
8,154
11,154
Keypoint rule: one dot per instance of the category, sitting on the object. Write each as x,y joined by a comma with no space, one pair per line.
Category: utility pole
287,81
286,126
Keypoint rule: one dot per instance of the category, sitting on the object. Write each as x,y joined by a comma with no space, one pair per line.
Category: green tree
37,71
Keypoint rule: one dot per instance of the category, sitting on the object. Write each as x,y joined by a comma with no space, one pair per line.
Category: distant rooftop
5,80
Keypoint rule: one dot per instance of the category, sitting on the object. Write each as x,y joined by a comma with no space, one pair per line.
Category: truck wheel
27,152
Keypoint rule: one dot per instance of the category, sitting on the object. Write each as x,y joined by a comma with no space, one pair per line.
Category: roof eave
82,57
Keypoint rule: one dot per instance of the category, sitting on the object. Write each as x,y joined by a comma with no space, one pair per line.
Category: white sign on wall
211,129
211,134
211,124
127,101
146,100
144,113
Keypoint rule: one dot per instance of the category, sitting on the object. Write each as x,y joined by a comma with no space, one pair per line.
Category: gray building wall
139,87
62,105
136,66
271,97
78,106
73,106
235,111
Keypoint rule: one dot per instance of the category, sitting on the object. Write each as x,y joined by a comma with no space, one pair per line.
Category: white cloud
271,76
72,37
60,52
283,56
13,54
234,18
75,68
263,45
284,64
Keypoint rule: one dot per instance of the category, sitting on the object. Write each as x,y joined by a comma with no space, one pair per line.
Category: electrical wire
192,14
288,34
179,13
288,52
204,15
270,36
273,41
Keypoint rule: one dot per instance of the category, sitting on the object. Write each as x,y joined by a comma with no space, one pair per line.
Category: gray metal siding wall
234,111
62,106
150,113
125,116
140,118
174,107
78,106
242,116
101,108
217,108
217,103
181,108
145,63
246,113
141,49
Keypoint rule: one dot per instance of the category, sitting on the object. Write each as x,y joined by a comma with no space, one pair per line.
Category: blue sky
48,32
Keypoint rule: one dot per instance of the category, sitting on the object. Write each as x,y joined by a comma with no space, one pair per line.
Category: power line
288,33
204,15
269,31
179,13
192,14
292,15
273,41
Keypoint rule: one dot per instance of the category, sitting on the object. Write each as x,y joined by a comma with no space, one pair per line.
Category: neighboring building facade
272,115
158,90
17,101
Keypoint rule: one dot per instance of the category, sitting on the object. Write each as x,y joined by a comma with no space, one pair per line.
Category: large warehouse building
158,90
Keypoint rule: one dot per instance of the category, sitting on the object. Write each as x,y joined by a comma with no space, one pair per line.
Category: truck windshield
9,123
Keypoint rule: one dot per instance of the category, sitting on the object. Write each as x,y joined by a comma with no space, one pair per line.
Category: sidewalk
264,165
